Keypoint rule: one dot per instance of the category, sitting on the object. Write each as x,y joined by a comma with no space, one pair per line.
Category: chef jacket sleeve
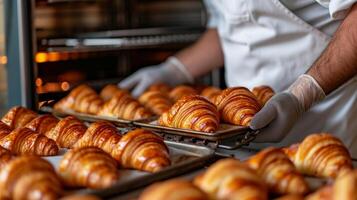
213,14
338,8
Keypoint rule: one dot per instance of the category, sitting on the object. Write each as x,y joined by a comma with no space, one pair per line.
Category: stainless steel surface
3,61
19,49
140,32
111,44
184,158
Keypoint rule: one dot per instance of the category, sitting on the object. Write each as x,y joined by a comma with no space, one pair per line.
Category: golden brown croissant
18,117
23,141
344,187
67,132
192,112
321,155
101,134
181,91
157,102
29,177
110,90
280,174
125,107
5,157
237,105
138,149
173,190
231,179
42,124
161,87
211,93
263,93
324,193
143,150
82,99
88,167
4,130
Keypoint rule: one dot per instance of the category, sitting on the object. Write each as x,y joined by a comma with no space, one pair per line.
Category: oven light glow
39,82
65,86
3,60
41,57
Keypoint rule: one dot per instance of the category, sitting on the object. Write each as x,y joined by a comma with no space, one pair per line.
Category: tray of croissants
204,112
318,168
44,157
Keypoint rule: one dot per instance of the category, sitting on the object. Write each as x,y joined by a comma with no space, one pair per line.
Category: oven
63,43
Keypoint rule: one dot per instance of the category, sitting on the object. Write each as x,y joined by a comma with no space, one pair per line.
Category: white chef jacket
314,14
272,42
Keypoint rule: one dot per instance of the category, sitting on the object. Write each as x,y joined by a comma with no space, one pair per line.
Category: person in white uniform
306,50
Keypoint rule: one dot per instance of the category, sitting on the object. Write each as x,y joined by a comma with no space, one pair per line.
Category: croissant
5,157
82,99
18,117
157,102
237,105
280,174
263,93
211,93
109,91
231,179
181,91
344,187
67,132
321,155
103,135
125,107
143,150
29,177
161,87
183,190
42,124
192,112
23,141
88,167
4,130
324,193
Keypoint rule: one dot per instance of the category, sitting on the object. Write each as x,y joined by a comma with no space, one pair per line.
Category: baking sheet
224,131
184,158
87,117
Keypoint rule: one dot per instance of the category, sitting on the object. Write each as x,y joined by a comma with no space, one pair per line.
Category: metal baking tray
184,158
224,131
227,137
87,117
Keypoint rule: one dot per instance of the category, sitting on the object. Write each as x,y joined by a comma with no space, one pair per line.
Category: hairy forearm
203,56
338,63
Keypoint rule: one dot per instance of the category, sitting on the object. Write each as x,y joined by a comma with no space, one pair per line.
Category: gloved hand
171,72
282,111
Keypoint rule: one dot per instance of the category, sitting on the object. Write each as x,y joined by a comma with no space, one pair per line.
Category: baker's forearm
203,56
338,63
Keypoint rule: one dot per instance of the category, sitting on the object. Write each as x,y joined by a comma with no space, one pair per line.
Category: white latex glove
282,111
171,72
